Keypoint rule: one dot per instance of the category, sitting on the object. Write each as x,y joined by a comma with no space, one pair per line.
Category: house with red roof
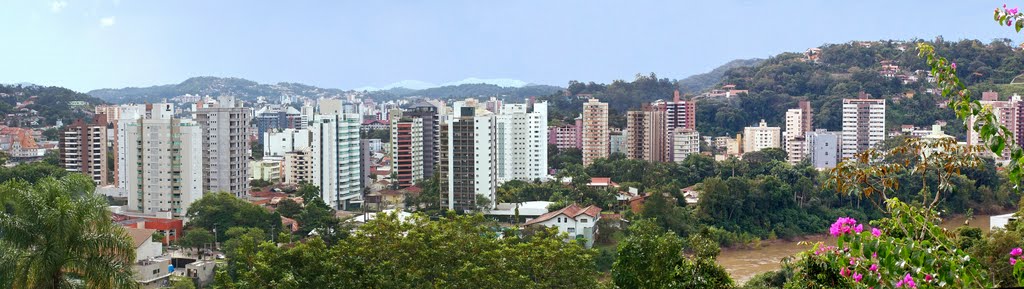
578,222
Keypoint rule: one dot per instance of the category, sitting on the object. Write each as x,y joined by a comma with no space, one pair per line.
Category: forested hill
249,90
888,69
698,83
513,94
214,86
51,102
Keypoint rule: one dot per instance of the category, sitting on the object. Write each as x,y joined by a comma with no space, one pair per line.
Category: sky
91,44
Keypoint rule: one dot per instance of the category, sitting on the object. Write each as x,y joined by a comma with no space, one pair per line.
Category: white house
152,268
1000,221
578,223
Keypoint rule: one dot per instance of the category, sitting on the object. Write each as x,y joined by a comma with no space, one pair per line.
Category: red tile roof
572,211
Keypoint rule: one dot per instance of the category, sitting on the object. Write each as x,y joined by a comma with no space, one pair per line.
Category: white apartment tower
522,142
226,131
161,162
336,157
798,123
595,131
468,162
863,124
685,142
762,136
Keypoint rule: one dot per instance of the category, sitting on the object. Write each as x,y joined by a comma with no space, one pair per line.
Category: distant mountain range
509,89
419,85
214,86
249,90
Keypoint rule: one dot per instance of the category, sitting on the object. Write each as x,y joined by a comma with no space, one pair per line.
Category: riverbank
743,263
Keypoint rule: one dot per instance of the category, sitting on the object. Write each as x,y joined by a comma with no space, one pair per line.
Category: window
583,220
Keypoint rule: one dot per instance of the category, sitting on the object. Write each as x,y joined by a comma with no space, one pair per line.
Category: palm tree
57,234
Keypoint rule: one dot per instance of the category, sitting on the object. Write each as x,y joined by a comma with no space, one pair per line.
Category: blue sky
92,44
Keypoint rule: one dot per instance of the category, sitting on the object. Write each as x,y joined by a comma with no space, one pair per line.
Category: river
742,264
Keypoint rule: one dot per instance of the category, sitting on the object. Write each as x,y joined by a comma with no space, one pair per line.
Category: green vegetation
222,211
57,234
31,172
387,253
698,83
51,102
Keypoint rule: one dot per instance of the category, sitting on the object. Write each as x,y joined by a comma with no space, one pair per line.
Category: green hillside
51,102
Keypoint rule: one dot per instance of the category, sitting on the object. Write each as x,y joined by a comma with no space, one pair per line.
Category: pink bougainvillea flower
857,277
876,232
927,277
1013,261
842,225
873,268
858,229
953,65
853,261
1011,10
844,272
1016,252
1009,22
909,281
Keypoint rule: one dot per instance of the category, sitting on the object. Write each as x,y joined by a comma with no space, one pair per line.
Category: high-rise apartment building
798,122
762,136
429,114
83,149
161,161
521,142
822,148
407,150
468,163
863,124
336,155
679,113
226,129
116,115
685,142
646,135
595,131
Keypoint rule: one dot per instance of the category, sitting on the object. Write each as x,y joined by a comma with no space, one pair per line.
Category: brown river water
743,264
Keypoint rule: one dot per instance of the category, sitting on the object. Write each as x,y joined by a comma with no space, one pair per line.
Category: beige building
595,131
762,136
268,169
646,135
298,166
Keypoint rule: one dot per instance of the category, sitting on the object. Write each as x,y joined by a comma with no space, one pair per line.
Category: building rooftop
572,211
140,236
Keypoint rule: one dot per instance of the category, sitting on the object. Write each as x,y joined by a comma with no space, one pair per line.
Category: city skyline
113,44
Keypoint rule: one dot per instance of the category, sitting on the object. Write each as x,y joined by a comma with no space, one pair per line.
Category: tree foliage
453,252
222,211
57,234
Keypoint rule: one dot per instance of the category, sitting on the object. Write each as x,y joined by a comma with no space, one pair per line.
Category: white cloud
57,6
107,21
